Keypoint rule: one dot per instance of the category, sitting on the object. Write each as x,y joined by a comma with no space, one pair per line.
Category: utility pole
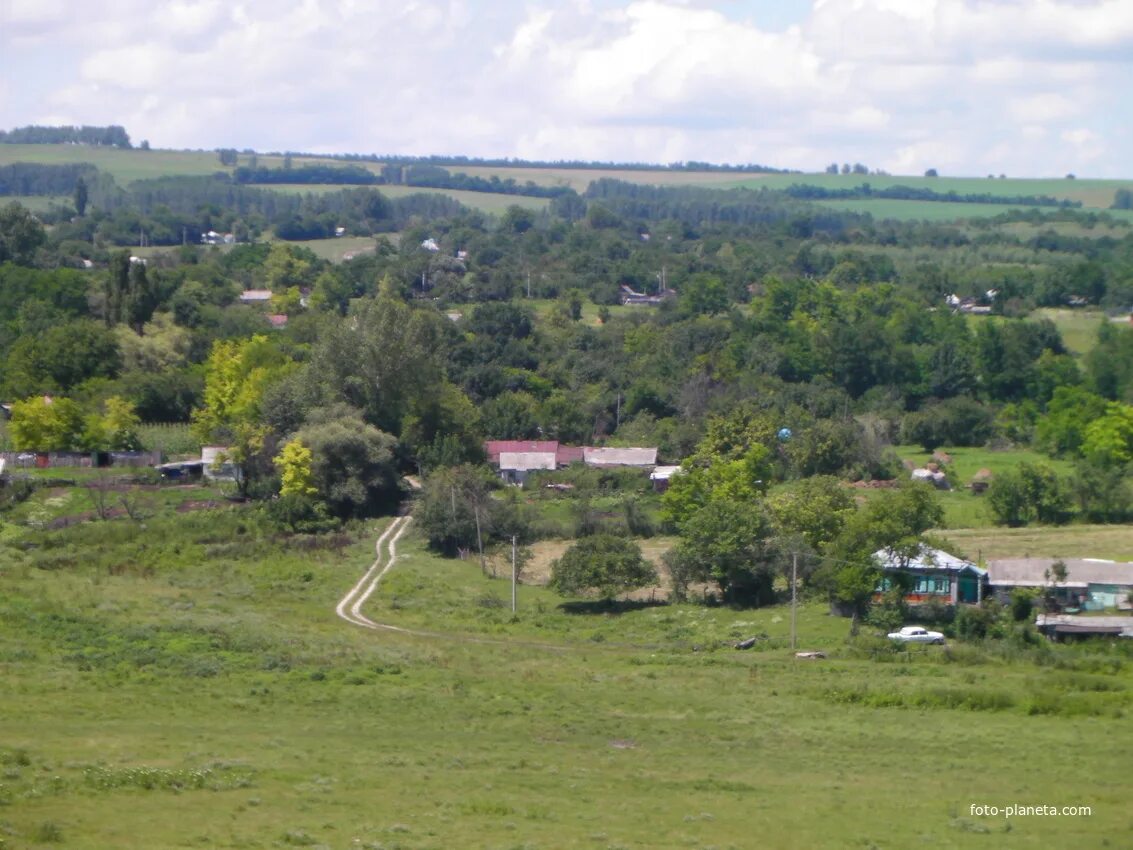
529,283
479,539
794,596
513,573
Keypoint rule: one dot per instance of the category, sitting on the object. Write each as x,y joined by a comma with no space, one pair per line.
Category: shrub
1022,604
603,563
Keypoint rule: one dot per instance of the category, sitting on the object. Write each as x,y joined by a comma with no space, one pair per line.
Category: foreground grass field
184,682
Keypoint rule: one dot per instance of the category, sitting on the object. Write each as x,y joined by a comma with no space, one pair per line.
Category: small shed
660,477
515,467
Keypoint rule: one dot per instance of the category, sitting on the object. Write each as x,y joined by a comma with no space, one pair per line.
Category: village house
1091,584
933,575
515,459
255,296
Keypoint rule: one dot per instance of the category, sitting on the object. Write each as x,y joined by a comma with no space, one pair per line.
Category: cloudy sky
1023,87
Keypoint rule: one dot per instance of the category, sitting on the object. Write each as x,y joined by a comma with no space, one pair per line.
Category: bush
1031,492
1022,604
975,622
602,563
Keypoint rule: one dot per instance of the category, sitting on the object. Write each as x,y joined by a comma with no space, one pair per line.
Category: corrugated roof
1031,572
566,455
523,461
927,558
619,457
493,447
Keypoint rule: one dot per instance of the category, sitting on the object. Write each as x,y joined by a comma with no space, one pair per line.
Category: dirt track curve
349,607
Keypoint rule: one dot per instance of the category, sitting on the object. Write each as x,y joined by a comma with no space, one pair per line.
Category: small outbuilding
515,467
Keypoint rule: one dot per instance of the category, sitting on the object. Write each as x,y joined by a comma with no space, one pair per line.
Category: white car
916,634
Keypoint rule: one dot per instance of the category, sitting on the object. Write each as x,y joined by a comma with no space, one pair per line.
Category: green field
124,166
129,165
883,208
964,509
1096,194
185,683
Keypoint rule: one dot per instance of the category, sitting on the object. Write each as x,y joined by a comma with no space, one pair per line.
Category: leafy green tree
114,429
1031,492
382,359
1109,438
731,542
699,485
443,426
236,376
46,424
81,196
353,464
602,564
1103,491
21,234
704,294
59,359
511,416
894,521
814,509
1063,429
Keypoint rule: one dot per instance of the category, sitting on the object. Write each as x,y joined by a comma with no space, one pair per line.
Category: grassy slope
201,644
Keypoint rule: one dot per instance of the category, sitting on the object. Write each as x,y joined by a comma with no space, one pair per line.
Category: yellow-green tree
46,424
114,428
294,464
236,374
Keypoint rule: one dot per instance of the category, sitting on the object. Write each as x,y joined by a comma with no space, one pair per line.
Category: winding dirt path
349,607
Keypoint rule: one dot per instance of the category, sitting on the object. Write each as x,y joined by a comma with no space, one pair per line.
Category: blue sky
1022,87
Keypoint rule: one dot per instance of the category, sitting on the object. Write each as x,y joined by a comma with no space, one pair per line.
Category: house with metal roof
932,575
1091,584
493,448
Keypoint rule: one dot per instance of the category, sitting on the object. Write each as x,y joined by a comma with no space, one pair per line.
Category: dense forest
777,317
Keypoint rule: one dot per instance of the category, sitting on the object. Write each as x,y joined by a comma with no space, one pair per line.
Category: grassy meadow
183,681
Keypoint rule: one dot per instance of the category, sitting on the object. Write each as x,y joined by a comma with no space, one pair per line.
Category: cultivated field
127,166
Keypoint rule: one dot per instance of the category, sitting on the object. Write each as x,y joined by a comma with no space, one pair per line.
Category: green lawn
185,683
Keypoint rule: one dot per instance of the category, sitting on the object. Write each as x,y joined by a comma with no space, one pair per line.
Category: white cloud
959,85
